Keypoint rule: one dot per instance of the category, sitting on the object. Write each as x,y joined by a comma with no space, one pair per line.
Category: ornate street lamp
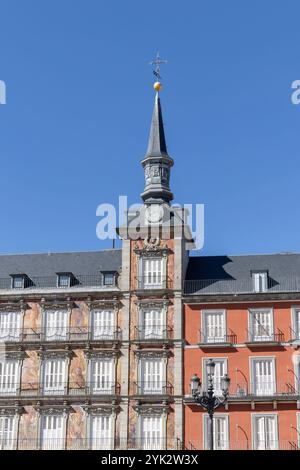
208,400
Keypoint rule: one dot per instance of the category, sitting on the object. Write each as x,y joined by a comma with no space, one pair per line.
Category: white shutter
102,376
101,432
220,371
220,428
262,325
265,433
264,379
52,437
153,327
152,432
103,324
10,326
152,376
297,323
54,376
9,376
7,424
152,272
215,327
56,325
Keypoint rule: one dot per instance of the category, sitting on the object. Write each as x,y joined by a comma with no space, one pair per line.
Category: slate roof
48,264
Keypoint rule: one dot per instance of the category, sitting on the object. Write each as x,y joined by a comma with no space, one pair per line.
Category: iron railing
76,333
294,335
152,388
223,444
153,282
265,337
153,333
239,286
215,336
51,282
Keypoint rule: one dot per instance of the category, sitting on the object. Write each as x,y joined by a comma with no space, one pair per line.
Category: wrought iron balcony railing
239,286
224,444
153,282
217,336
76,333
153,333
36,389
265,336
294,335
152,388
51,282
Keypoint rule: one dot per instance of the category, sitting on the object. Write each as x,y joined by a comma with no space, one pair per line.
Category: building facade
97,348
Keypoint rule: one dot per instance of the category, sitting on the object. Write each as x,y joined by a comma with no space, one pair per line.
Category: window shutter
297,323
152,272
151,433
54,376
9,377
56,325
153,327
101,432
264,377
220,371
215,327
152,376
220,438
265,433
262,325
103,324
102,376
52,432
10,326
7,424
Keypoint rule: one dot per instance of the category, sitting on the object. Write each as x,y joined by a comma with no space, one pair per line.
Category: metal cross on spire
157,62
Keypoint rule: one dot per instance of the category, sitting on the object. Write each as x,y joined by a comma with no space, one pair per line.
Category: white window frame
251,316
113,327
156,331
153,285
12,391
298,427
109,445
151,444
204,315
141,380
253,360
206,424
105,390
55,390
42,417
15,425
59,278
61,333
295,324
254,416
12,333
297,373
260,281
205,361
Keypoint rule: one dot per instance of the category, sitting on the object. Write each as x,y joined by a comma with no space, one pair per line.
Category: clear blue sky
79,103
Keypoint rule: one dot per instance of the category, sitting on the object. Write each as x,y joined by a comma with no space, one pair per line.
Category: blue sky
79,104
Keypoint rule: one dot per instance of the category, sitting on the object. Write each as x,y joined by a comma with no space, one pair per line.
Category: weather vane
157,62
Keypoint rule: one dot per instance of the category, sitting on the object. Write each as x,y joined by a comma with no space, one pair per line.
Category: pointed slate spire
157,162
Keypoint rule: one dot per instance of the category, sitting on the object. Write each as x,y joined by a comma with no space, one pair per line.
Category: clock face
154,213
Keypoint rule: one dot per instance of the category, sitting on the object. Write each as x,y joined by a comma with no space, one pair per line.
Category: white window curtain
10,326
152,376
265,433
261,325
103,324
152,433
221,435
54,376
214,327
102,376
264,377
52,432
220,371
152,272
153,323
56,325
9,377
7,427
100,432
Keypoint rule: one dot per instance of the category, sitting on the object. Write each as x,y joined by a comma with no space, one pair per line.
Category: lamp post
208,400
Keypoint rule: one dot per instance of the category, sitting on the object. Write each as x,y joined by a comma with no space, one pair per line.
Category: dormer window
18,281
260,281
109,278
64,279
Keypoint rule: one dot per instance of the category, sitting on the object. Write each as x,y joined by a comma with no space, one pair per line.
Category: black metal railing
215,336
294,335
51,282
152,388
264,336
153,282
153,333
73,333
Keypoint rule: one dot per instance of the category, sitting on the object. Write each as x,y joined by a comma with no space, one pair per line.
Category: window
151,432
102,377
263,376
7,428
100,432
17,281
54,376
152,323
109,279
265,432
103,324
220,429
152,376
214,326
63,280
260,281
152,272
10,326
220,371
298,428
261,325
296,323
56,325
9,376
52,432
296,360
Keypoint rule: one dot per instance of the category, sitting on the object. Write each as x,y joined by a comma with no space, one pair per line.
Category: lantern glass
225,383
195,383
211,367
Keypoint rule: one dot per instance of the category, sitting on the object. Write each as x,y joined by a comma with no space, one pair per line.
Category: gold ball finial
157,86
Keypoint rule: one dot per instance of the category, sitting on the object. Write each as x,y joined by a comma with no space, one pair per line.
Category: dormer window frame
109,273
260,280
21,277
60,275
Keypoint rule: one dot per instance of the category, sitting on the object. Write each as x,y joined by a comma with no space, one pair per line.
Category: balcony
146,283
263,391
294,336
152,388
64,334
216,338
70,389
266,444
156,334
264,338
239,286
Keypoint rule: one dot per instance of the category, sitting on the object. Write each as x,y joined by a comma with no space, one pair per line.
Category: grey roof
48,264
157,146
